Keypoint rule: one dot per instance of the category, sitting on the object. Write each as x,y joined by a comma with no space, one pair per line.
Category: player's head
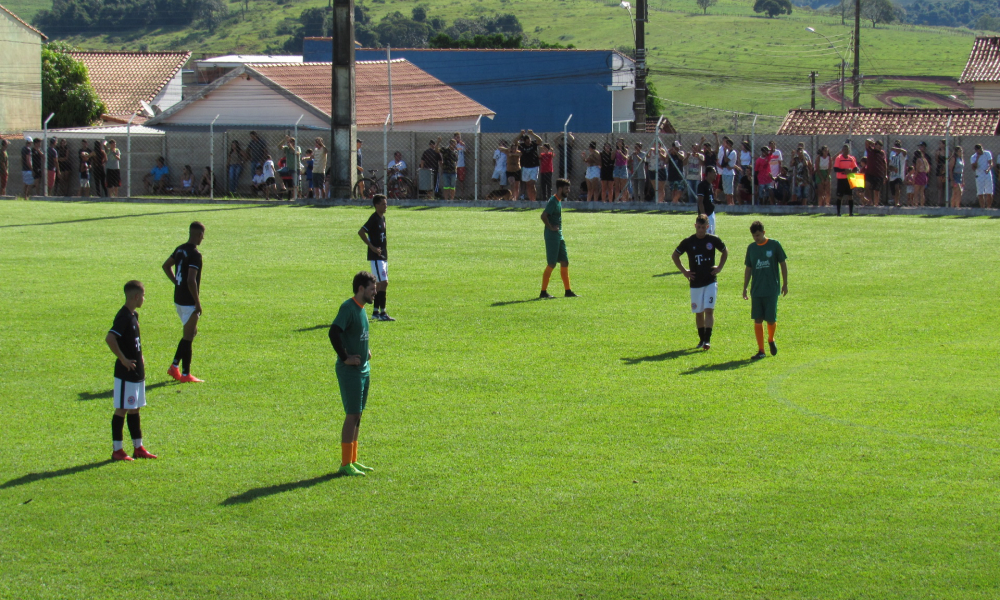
562,187
196,233
135,292
380,203
364,285
710,171
979,147
757,231
701,225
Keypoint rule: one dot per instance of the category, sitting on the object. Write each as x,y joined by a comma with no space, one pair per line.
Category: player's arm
746,280
545,219
193,287
168,268
784,278
701,204
722,262
338,346
112,340
364,238
676,256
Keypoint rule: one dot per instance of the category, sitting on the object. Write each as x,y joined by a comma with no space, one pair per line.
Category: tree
880,11
773,8
66,89
419,14
654,106
314,24
399,32
705,4
212,13
843,8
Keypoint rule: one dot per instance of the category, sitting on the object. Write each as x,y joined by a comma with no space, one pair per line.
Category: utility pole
343,122
639,104
812,76
843,91
857,53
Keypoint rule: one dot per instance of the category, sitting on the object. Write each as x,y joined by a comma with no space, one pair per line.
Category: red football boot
190,379
141,452
174,372
121,455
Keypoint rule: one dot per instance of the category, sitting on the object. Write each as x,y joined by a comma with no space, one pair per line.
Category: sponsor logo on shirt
763,264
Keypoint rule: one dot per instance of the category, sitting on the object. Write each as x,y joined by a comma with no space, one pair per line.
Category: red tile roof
666,127
891,121
416,95
984,61
22,22
123,79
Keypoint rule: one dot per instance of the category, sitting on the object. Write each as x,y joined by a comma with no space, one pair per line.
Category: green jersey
554,210
765,273
353,320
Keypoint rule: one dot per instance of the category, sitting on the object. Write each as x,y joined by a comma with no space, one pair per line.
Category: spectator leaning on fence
607,172
449,169
98,174
530,163
875,171
158,178
637,170
499,164
802,174
545,170
956,165
514,169
921,176
593,176
764,180
982,164
897,170
37,164
113,174
430,160
823,167
83,156
52,155
621,170
4,166
65,167
694,168
460,164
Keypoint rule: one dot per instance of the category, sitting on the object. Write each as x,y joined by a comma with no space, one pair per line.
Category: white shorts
27,178
711,225
727,183
129,394
593,173
85,182
380,269
529,173
704,297
984,184
184,312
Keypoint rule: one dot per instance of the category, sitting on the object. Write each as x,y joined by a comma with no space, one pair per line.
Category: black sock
180,352
378,301
708,334
117,427
701,334
383,300
186,358
133,426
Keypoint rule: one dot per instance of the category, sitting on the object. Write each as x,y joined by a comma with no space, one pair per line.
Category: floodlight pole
295,170
843,65
566,146
656,153
45,148
639,104
128,155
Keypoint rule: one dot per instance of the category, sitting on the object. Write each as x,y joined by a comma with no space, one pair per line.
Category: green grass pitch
524,449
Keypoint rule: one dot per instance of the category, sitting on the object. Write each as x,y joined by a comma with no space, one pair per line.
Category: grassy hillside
729,59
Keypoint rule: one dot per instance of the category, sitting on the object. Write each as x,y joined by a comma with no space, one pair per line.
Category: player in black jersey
706,198
372,233
130,374
701,248
183,268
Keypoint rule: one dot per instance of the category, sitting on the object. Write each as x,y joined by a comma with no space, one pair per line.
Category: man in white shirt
397,166
460,166
982,164
727,168
259,182
269,181
897,170
775,160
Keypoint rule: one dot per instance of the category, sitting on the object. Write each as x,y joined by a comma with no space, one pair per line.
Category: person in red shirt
875,170
843,166
765,183
545,171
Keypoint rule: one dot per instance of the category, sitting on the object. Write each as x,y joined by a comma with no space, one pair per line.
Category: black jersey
701,257
375,228
126,329
705,190
186,256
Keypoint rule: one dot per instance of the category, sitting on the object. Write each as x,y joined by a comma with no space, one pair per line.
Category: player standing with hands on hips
130,374
372,233
349,336
701,248
555,245
764,257
183,268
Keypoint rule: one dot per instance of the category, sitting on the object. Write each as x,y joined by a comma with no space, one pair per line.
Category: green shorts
555,250
764,308
354,386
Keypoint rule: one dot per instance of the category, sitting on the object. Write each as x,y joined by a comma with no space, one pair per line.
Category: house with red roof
283,95
140,83
983,72
21,73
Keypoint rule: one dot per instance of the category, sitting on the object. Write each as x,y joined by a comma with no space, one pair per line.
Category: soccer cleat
545,295
350,471
376,316
758,356
174,372
774,348
707,346
141,452
190,379
570,294
700,345
386,317
121,455
361,467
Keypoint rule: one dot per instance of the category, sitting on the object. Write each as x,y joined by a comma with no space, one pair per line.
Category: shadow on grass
661,357
668,274
263,492
509,302
108,394
33,477
726,366
156,214
314,327
511,209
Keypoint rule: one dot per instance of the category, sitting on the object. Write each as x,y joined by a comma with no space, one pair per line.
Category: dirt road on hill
830,90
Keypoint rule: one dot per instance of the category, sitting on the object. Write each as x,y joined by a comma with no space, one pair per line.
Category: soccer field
571,448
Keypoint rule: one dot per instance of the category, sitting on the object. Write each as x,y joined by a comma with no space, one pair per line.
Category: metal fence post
211,158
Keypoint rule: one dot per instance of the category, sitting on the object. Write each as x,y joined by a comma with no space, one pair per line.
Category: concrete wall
20,76
986,95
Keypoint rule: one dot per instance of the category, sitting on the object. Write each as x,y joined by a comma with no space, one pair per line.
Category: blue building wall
528,89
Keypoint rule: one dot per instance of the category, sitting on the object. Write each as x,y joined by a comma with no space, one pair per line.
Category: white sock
118,446
137,442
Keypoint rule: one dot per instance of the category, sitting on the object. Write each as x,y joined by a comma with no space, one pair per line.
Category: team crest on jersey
768,254
708,245
131,400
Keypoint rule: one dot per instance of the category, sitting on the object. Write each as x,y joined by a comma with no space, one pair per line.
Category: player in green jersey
555,245
349,336
764,257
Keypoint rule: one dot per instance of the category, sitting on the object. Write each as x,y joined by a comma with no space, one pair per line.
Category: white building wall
621,108
242,102
986,95
171,93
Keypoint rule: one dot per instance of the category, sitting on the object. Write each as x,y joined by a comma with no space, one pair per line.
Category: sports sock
354,451
134,429
346,451
383,301
701,334
117,429
545,278
758,329
564,273
708,334
186,358
180,353
770,332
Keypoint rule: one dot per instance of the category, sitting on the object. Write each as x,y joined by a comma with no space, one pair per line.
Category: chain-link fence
480,174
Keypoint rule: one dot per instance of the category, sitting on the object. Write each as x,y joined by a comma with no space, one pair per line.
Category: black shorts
843,187
515,175
607,174
113,178
894,186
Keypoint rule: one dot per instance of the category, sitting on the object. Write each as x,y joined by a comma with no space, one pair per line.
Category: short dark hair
377,198
196,226
132,287
710,169
701,220
563,183
756,226
363,279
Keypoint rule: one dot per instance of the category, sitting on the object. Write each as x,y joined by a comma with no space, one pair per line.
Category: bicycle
399,187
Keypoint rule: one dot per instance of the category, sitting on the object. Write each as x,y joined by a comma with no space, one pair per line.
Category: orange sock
346,451
354,451
770,332
758,329
545,278
564,273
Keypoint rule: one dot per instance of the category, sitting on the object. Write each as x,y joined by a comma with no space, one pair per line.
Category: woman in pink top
621,169
764,180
